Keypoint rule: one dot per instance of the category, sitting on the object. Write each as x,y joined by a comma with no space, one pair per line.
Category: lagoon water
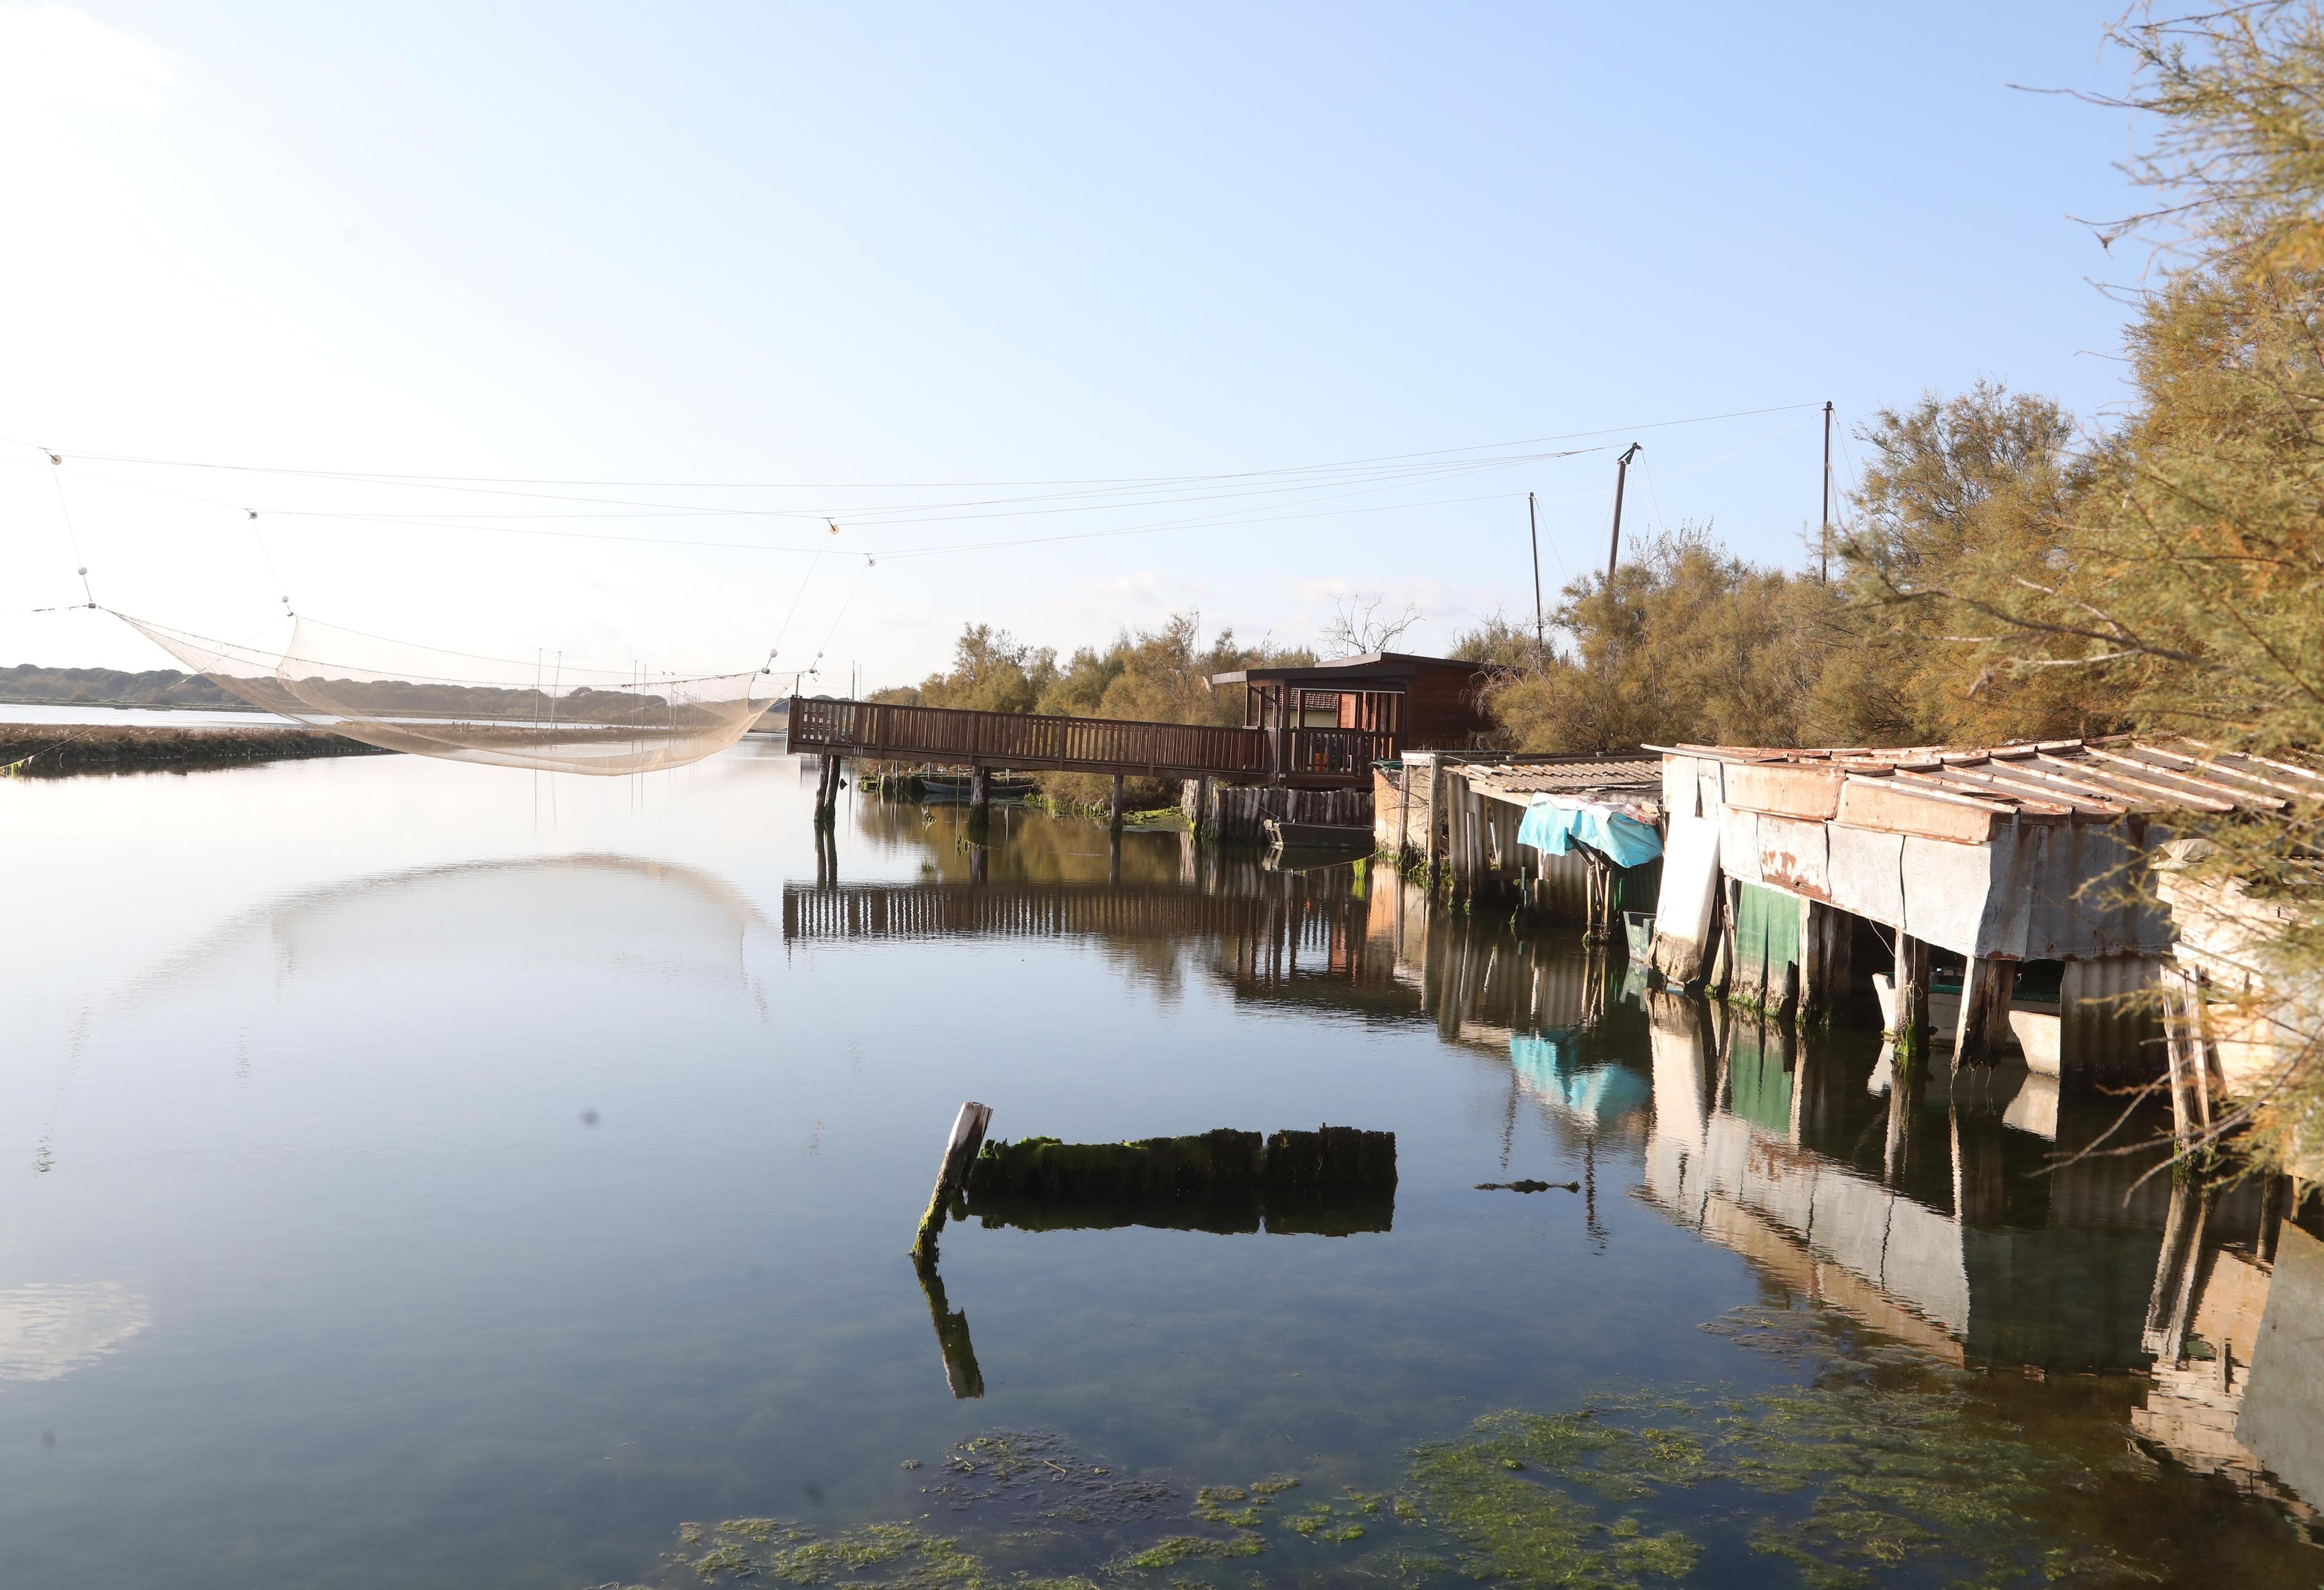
423,1174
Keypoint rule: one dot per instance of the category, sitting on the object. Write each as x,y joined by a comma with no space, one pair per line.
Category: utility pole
1533,524
1825,563
1621,479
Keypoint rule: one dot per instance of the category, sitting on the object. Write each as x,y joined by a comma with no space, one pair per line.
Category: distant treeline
110,687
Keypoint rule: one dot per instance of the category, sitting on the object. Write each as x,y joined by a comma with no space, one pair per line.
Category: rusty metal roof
1569,778
2063,780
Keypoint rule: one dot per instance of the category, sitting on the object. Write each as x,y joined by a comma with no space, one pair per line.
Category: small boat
1282,836
1944,1007
944,789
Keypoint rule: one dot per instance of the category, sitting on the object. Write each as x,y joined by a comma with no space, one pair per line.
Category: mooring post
952,1176
1113,810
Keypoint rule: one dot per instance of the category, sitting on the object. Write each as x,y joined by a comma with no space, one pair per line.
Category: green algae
1873,1466
1178,1548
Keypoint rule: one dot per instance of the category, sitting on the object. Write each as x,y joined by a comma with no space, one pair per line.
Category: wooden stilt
1984,1027
980,799
1912,980
1114,808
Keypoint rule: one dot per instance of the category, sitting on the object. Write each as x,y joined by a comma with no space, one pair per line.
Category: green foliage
1687,642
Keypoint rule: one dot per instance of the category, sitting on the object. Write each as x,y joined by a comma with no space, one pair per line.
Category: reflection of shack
1464,812
1948,1238
2237,1334
1480,981
1996,879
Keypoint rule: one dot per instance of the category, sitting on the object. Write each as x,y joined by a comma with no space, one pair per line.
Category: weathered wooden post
980,800
1113,807
1987,986
1912,980
1202,820
952,1176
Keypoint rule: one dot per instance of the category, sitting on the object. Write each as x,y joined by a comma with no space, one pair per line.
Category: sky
523,327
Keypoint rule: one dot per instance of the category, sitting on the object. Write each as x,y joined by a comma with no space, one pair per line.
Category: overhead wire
379,477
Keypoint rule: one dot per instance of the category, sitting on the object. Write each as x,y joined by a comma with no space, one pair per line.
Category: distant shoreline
58,750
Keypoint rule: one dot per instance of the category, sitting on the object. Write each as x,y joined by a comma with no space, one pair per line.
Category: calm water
422,1174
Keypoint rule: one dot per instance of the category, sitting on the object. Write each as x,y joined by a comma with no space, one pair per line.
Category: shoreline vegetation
55,750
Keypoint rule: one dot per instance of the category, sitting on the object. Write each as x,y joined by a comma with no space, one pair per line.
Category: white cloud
52,55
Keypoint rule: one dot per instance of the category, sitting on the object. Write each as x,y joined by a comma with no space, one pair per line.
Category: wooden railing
1348,752
1026,743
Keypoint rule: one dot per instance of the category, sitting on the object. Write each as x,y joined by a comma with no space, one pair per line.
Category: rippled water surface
426,1174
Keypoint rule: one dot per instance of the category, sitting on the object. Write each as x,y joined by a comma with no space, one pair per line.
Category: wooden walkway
1026,743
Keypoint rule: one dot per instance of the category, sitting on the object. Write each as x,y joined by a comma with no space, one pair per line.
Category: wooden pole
1113,811
952,1176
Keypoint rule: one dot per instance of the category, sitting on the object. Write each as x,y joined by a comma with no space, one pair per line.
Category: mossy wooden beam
1332,1180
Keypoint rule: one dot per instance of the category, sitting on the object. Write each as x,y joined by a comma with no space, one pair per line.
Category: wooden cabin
1364,709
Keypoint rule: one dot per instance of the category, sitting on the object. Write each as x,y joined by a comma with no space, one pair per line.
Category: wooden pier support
980,799
1114,808
1987,985
1826,934
827,793
1911,981
952,1176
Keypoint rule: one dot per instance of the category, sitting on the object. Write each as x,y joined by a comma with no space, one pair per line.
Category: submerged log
1331,1181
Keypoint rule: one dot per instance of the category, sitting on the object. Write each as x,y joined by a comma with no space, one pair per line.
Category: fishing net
544,715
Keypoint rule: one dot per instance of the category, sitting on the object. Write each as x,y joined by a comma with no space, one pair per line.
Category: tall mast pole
1825,563
1533,524
1621,479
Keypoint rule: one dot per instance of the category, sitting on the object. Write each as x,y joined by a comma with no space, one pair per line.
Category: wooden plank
1785,789
1890,807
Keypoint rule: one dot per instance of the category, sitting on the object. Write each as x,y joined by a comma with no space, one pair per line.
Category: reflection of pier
855,912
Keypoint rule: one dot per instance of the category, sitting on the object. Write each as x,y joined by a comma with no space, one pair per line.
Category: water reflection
1956,1213
49,1330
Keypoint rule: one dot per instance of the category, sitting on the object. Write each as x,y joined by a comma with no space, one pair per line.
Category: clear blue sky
894,244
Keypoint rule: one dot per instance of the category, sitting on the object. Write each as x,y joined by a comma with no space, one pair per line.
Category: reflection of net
407,697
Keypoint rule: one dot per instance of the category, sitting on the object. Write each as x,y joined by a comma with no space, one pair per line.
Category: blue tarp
1624,840
1545,1065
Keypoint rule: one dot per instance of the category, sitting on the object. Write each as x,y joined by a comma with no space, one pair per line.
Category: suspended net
544,715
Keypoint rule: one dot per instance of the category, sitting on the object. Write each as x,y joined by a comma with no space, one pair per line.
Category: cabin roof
1374,671
2052,780
1632,781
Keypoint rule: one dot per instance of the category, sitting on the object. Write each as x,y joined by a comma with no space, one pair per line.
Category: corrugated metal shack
1463,810
2015,861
